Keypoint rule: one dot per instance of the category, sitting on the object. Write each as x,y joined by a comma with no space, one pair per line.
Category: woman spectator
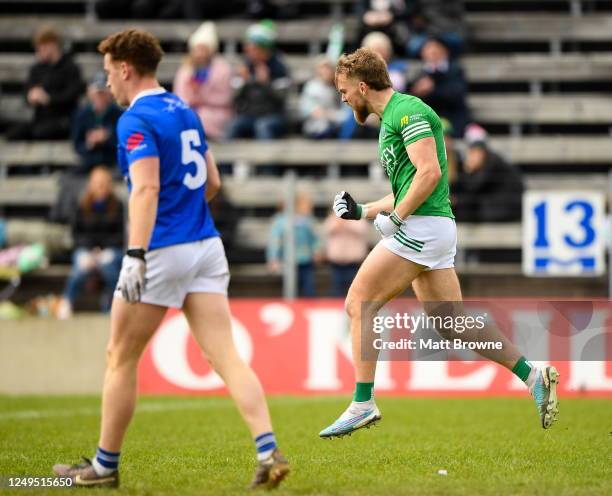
98,234
204,81
346,246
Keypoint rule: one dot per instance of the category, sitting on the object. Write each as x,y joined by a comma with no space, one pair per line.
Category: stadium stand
539,76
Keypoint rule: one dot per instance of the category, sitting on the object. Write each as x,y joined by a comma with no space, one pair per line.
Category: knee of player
119,354
357,306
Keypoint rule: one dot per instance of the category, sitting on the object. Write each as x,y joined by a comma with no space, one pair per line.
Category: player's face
352,93
116,75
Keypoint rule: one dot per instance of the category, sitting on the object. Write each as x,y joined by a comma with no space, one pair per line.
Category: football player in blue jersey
175,258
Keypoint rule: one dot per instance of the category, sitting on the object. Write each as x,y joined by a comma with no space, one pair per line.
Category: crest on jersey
134,142
173,104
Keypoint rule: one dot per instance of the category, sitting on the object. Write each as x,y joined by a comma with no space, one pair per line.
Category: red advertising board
303,347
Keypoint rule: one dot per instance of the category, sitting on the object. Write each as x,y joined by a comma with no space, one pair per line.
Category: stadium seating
537,76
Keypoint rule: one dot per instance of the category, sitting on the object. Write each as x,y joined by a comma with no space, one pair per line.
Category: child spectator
307,245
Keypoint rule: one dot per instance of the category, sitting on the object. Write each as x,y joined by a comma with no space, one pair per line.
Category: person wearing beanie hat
94,134
203,81
262,34
489,189
261,86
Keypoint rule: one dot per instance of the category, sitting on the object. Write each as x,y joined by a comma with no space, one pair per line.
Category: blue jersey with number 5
159,124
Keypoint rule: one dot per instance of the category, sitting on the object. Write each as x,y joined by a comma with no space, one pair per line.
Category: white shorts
427,240
175,271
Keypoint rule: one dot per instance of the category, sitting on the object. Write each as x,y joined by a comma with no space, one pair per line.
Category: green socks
363,391
522,368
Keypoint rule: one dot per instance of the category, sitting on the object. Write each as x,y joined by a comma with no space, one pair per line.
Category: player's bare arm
144,175
385,204
423,155
347,208
213,178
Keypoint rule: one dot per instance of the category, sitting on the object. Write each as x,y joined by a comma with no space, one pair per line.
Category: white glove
132,278
387,224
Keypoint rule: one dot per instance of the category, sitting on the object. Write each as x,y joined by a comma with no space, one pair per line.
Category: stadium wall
300,348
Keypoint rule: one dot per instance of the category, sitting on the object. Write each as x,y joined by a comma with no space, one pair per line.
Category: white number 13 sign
563,233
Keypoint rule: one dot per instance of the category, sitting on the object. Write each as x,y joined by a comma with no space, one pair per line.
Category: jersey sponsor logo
404,120
388,159
134,142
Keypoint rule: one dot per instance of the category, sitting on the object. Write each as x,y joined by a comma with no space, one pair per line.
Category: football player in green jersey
418,233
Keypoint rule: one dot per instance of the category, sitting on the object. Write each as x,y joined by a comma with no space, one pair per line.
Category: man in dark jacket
93,128
489,189
53,89
261,88
442,85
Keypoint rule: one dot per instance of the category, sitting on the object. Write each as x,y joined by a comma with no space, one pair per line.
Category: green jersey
407,119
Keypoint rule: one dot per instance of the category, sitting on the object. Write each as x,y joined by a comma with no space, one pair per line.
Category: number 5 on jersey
190,140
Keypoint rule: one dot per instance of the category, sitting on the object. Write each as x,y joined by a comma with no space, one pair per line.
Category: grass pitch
184,446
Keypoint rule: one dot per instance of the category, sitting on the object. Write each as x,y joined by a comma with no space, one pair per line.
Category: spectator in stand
489,189
389,16
204,81
53,89
443,19
262,87
442,85
381,44
94,127
98,235
307,245
346,246
320,106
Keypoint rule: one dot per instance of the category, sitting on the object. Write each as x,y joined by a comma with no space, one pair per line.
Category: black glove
347,208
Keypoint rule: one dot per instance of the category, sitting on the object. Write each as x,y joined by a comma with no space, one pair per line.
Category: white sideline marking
143,408
147,407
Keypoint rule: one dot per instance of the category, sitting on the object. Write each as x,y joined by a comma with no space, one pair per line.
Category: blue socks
105,462
265,444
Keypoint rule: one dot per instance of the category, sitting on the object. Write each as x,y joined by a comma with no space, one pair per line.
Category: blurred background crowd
250,90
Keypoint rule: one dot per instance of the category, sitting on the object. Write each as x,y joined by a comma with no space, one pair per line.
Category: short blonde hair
364,64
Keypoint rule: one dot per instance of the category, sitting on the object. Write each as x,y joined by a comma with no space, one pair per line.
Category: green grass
184,446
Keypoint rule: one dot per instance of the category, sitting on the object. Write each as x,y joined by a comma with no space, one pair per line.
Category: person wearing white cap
203,81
